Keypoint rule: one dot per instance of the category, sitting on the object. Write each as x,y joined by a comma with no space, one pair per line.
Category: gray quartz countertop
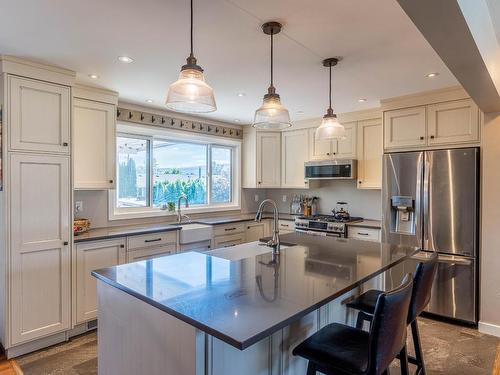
132,230
367,224
243,294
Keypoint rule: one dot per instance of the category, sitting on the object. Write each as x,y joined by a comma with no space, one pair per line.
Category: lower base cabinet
254,231
143,254
91,256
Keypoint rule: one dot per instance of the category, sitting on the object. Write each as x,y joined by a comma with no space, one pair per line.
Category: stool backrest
388,329
422,285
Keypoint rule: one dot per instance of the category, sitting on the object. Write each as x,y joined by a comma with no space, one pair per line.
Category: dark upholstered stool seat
339,348
366,302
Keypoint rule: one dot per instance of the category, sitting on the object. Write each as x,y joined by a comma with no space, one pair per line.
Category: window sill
158,212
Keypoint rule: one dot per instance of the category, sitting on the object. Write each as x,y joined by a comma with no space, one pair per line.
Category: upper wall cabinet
39,116
370,154
94,144
321,149
294,153
451,123
261,161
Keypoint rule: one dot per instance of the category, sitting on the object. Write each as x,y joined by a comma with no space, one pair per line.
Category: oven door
318,232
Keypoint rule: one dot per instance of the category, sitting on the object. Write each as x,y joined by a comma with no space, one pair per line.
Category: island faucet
179,213
275,241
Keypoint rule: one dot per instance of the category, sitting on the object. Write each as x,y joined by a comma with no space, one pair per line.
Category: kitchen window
154,170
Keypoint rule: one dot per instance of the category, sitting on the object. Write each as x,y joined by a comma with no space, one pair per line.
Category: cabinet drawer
141,254
153,239
361,233
286,226
222,230
229,240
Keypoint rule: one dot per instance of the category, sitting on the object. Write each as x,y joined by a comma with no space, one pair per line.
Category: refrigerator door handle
426,203
453,260
418,199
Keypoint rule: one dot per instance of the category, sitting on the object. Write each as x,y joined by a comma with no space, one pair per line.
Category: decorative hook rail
128,115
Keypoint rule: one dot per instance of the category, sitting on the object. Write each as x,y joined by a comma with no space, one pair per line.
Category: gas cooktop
330,219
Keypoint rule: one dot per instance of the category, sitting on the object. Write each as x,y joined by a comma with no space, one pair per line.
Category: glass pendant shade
330,128
271,114
190,93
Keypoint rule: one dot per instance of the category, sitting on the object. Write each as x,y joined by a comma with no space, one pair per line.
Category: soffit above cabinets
384,55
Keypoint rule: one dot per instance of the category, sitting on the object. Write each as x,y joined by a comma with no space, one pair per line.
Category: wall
95,208
490,224
364,203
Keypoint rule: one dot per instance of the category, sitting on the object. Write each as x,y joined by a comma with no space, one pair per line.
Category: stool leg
311,368
403,358
418,348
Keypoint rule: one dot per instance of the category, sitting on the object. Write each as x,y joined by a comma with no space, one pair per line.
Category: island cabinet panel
294,153
94,144
38,116
40,281
92,256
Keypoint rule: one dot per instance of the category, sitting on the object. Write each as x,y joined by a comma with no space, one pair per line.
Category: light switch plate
256,197
284,198
78,206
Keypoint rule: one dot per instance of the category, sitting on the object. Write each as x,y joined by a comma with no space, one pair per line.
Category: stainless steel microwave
345,169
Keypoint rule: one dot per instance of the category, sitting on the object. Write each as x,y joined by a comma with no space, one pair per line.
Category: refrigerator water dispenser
403,215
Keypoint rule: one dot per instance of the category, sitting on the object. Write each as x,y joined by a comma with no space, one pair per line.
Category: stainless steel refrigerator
431,200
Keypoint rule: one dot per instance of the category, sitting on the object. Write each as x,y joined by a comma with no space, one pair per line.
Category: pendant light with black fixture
330,127
272,114
190,93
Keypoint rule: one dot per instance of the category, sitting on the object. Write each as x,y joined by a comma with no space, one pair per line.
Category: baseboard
32,346
490,329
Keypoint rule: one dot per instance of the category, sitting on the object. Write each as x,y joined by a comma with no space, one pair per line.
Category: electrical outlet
256,197
284,198
78,206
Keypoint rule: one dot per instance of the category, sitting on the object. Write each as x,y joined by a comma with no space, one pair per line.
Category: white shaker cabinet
94,144
91,256
346,148
323,149
261,160
405,128
254,231
40,233
453,122
294,153
370,152
38,116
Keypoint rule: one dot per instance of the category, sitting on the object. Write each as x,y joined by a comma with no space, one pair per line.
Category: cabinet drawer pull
154,240
363,234
65,243
229,229
230,245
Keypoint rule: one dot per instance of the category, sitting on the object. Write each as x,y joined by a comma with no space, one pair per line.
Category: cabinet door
254,232
40,232
92,256
453,122
370,154
295,152
229,240
38,116
405,128
94,144
268,159
320,149
346,148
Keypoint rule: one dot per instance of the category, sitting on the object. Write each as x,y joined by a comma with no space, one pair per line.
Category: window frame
152,133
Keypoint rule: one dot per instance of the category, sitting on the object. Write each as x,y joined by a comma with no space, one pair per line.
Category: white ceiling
383,53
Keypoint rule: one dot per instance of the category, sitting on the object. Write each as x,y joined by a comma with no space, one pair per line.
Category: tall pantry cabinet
35,204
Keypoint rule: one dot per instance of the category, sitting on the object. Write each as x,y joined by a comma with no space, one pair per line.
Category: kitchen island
233,310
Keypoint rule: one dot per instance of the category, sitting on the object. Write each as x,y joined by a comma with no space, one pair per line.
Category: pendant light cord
330,88
272,58
191,27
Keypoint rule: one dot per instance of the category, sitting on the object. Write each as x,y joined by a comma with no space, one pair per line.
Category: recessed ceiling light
240,94
125,59
431,75
149,100
361,100
300,112
93,76
237,120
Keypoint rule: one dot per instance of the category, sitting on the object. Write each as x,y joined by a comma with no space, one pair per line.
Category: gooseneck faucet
275,241
179,213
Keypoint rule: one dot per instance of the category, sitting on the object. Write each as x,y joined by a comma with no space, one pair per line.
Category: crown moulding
167,122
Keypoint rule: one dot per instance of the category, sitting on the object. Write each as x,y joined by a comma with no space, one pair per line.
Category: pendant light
190,93
330,128
272,114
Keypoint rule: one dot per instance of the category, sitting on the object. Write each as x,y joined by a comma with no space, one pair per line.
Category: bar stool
337,349
421,294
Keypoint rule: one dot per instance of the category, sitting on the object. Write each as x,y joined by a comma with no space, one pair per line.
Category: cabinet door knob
110,181
360,182
328,153
65,144
432,137
122,246
421,138
334,153
65,243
